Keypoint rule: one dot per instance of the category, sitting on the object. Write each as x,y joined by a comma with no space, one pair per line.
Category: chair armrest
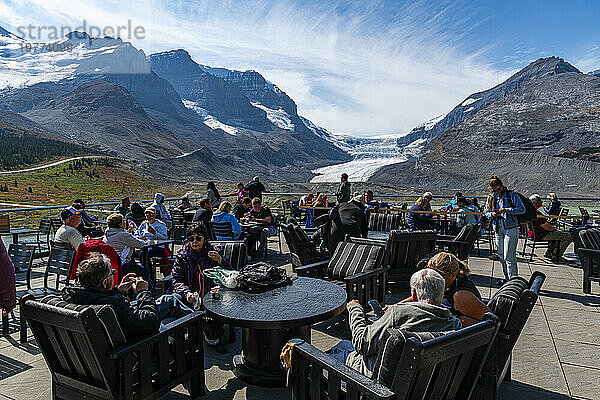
446,237
451,242
366,274
128,348
368,387
307,270
590,252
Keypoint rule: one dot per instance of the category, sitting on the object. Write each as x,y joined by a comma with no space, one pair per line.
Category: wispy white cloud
364,68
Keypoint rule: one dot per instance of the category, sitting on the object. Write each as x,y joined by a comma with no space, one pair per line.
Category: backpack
530,211
260,277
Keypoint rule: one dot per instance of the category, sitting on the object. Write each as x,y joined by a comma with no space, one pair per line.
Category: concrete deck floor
556,357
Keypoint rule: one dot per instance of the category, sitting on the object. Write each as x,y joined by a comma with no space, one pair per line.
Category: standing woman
213,194
502,207
189,281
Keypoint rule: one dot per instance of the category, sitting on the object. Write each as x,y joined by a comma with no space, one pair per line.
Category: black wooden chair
383,222
460,245
303,250
589,256
406,249
358,264
277,219
88,357
424,366
533,242
56,276
512,304
42,241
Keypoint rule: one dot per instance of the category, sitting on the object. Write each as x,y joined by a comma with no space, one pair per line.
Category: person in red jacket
8,288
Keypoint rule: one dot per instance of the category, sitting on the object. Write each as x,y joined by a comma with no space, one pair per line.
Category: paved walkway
557,356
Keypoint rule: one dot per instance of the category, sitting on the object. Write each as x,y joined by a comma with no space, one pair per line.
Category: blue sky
358,67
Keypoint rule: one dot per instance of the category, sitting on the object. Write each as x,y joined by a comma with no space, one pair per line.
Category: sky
357,67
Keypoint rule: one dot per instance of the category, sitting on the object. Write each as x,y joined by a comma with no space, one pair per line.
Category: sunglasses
195,238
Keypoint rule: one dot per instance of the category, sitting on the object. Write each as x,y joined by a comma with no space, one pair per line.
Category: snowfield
279,118
208,119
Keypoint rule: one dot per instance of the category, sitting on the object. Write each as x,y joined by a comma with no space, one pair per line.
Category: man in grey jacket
124,244
423,314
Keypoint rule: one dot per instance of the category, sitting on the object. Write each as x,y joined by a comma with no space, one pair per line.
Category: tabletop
157,243
303,302
18,231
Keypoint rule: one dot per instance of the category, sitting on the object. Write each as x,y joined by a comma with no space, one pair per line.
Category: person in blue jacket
502,208
223,215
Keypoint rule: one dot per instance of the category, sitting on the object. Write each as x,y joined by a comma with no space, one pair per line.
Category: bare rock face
522,136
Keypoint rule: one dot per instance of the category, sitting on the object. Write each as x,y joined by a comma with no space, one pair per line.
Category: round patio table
270,319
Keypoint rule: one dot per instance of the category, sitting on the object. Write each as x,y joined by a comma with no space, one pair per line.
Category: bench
89,358
427,366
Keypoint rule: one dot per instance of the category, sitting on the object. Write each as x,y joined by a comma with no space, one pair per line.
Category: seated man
424,314
186,204
125,207
242,208
68,233
558,241
152,228
95,286
204,213
88,226
263,216
124,244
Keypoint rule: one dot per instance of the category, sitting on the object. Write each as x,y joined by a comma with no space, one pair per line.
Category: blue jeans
341,350
506,240
170,307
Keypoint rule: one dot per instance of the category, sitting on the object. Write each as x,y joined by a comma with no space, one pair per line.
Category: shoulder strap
509,198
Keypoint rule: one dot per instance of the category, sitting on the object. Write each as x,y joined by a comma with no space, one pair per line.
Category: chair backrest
288,234
442,367
564,211
55,223
222,229
177,217
383,222
58,268
406,249
513,303
287,207
355,255
178,233
74,340
469,234
585,215
21,255
590,238
235,251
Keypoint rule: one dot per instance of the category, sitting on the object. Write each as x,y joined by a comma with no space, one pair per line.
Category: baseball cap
150,209
68,211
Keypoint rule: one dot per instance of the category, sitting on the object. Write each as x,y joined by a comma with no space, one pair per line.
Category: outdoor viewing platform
556,355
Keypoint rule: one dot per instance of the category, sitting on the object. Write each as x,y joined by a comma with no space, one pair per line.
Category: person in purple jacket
8,288
189,281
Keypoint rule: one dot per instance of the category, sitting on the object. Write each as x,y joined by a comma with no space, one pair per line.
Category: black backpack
530,211
260,277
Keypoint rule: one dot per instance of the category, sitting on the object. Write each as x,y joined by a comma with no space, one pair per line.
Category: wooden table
15,232
270,319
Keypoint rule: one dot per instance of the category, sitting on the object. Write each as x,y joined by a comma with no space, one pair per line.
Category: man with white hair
558,241
424,313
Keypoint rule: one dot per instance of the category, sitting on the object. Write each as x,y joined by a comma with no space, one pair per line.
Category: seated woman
461,295
190,283
553,207
465,219
223,215
321,201
421,221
